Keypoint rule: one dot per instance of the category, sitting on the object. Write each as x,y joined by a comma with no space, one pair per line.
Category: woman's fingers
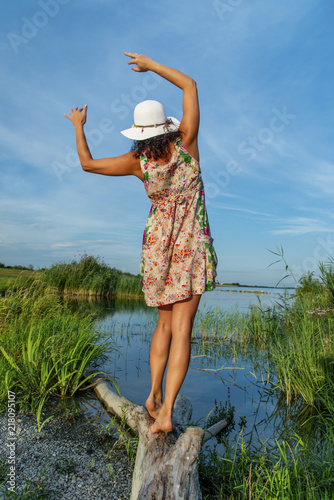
130,54
74,111
141,62
134,59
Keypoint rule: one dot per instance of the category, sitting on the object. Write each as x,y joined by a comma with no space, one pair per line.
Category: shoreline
70,459
257,291
237,285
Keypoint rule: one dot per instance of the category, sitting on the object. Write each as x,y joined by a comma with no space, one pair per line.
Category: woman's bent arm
126,164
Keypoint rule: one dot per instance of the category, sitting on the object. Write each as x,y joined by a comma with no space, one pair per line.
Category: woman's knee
184,315
164,326
165,321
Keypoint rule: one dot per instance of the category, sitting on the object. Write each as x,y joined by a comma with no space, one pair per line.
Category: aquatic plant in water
45,347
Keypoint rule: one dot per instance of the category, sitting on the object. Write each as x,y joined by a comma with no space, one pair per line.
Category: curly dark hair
155,147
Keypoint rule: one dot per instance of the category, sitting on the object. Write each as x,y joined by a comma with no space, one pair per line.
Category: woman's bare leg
159,352
183,314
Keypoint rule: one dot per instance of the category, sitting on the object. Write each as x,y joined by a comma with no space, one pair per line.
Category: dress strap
180,148
177,143
143,156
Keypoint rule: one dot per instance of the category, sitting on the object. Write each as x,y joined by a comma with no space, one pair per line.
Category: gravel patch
68,459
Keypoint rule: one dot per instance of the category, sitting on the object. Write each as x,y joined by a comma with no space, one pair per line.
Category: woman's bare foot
163,423
153,406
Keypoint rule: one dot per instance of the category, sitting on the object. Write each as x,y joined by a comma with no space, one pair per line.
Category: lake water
231,378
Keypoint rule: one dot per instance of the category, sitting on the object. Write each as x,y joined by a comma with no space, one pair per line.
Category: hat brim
142,133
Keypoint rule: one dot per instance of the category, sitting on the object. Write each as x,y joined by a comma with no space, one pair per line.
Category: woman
178,262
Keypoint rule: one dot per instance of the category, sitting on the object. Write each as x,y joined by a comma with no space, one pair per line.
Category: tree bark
166,465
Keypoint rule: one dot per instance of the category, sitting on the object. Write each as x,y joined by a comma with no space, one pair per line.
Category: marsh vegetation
288,348
291,351
45,347
87,277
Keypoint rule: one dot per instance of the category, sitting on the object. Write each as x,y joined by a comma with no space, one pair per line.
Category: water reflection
300,418
216,374
220,370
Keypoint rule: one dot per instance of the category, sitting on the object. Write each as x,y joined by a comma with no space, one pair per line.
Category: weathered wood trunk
166,468
166,465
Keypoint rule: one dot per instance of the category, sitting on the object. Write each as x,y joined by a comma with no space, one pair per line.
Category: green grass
294,344
294,340
8,276
87,277
294,472
45,347
302,350
90,276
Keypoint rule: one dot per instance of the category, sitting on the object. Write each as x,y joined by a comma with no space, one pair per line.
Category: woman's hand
143,63
78,115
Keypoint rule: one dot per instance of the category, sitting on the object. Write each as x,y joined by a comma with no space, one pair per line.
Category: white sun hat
150,120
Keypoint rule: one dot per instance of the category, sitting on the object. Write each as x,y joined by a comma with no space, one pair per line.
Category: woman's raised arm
190,119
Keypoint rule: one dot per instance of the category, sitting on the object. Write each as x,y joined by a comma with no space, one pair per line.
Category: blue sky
264,71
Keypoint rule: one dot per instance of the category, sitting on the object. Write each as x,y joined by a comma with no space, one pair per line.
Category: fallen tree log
166,464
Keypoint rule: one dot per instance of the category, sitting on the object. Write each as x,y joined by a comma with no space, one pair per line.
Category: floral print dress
178,259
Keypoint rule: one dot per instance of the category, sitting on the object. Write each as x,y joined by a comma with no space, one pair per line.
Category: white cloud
245,210
321,177
301,225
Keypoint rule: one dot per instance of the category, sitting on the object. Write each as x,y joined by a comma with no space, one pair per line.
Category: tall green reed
285,470
327,276
45,346
91,276
296,337
303,350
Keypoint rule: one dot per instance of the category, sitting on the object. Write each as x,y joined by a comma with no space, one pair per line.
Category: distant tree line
25,268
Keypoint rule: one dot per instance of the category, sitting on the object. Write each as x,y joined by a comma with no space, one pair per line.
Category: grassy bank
292,470
90,276
293,346
9,275
45,347
295,339
87,277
